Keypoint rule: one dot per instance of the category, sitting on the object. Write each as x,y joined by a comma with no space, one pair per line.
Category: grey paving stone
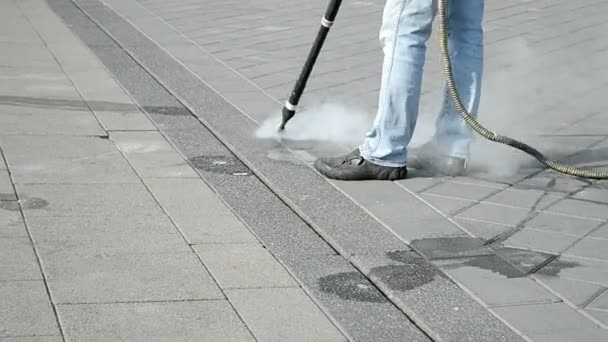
151,155
32,339
589,270
83,277
493,213
600,315
432,300
30,55
580,209
237,266
563,224
452,247
37,121
283,314
496,282
591,335
26,310
56,159
107,234
540,240
17,259
483,230
383,200
351,299
600,233
590,248
528,199
551,182
418,184
542,319
124,121
7,193
525,260
448,206
576,292
601,302
593,194
11,222
198,212
471,192
105,200
175,321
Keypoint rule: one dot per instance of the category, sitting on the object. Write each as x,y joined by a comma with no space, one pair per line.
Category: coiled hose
493,136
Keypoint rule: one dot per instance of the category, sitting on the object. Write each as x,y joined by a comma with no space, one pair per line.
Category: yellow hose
492,136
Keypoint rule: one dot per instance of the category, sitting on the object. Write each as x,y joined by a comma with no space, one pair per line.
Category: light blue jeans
406,28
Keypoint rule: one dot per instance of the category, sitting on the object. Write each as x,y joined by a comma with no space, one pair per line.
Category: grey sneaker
430,157
354,167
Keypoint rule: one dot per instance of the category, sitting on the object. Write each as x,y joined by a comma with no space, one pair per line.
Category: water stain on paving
556,266
227,165
411,272
526,263
27,203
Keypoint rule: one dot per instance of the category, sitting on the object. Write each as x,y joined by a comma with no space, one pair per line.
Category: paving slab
557,223
493,213
449,206
175,321
590,248
56,159
527,199
543,319
239,266
151,155
495,282
11,222
107,234
84,277
579,293
600,233
7,193
124,121
198,212
32,339
527,261
106,200
471,192
600,315
26,309
579,208
17,259
36,121
593,271
286,314
483,230
591,335
540,240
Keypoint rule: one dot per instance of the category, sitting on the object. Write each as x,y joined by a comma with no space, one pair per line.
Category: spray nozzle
287,115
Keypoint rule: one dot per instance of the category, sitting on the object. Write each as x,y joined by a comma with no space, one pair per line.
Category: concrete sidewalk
106,233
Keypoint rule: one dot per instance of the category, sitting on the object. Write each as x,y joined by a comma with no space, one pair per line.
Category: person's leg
406,27
453,135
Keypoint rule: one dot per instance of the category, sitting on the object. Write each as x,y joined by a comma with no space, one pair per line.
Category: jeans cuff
388,163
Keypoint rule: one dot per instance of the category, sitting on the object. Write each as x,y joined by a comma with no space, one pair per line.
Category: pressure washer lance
289,110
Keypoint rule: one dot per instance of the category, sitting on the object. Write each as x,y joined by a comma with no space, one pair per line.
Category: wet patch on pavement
227,165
